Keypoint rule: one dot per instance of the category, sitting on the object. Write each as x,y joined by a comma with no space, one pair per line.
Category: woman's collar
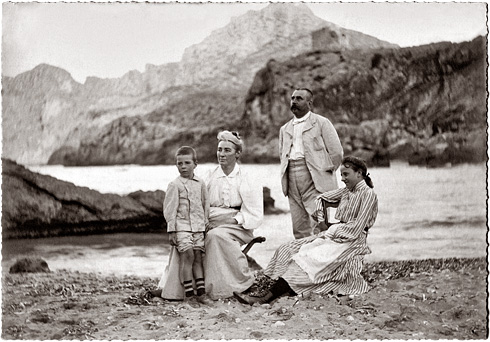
359,185
233,173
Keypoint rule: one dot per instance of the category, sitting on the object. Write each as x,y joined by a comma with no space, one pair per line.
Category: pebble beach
419,299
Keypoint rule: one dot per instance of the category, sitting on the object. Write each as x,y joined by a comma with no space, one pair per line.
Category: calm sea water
423,213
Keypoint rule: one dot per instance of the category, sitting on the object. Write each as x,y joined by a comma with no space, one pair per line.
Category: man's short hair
308,90
187,151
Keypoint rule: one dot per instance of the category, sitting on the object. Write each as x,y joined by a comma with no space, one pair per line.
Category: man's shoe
245,299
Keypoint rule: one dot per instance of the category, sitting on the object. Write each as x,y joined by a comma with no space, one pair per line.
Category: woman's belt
237,208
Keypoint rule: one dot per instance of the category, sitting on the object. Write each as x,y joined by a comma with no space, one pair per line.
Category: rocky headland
35,205
424,104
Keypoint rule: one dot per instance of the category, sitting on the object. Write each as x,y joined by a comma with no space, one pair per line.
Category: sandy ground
429,299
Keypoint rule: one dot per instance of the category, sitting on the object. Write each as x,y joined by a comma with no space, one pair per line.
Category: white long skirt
225,266
171,282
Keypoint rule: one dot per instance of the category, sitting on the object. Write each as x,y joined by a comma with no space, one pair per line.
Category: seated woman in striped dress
331,261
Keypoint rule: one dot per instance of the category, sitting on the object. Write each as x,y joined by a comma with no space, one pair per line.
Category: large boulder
269,203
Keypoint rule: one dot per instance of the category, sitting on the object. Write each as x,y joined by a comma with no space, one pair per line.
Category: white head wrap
232,137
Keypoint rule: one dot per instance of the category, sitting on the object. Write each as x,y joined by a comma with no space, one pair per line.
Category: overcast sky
109,39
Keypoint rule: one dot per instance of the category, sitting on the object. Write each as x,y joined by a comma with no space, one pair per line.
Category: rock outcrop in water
35,205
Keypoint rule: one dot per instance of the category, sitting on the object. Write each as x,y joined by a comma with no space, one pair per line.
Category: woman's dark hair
358,164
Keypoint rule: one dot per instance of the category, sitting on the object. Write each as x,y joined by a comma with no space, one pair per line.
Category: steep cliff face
337,38
426,104
46,111
153,138
39,108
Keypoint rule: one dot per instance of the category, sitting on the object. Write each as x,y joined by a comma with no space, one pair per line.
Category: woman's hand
329,233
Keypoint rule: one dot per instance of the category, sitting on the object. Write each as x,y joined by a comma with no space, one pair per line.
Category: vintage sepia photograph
244,170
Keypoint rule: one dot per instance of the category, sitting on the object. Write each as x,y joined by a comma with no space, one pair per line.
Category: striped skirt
342,275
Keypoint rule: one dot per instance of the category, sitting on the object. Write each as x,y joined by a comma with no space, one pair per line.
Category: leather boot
246,299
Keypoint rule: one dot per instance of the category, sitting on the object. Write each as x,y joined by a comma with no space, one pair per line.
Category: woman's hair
358,164
232,137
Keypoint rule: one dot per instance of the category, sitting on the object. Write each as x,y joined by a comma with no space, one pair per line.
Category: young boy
186,208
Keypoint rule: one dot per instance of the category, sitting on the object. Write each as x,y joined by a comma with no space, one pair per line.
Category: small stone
279,324
29,265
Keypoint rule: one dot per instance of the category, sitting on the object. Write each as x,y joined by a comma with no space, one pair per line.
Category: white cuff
239,218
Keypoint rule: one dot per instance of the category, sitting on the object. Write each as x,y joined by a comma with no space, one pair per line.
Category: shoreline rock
35,205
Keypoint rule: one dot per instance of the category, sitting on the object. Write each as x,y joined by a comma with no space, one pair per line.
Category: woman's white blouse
237,190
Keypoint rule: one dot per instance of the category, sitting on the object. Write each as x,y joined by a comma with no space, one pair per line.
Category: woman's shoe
245,299
155,293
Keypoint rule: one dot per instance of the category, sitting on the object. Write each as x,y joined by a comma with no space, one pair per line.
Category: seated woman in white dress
332,260
236,209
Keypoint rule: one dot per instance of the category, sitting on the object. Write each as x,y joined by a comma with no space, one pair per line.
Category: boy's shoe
203,299
192,302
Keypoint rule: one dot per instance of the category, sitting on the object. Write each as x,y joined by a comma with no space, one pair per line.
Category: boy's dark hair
187,151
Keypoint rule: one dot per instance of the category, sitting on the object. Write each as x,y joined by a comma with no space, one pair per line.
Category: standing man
310,153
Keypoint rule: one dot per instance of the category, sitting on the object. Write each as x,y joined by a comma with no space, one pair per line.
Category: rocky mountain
45,110
424,104
279,31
